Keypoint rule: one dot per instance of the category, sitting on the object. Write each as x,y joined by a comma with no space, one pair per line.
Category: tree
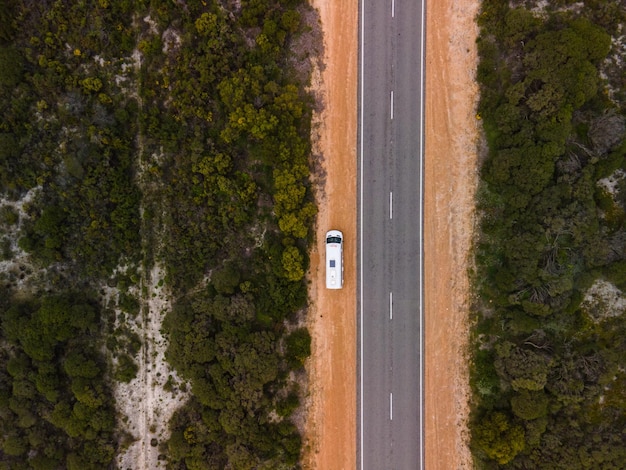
11,66
226,279
500,439
7,21
240,458
293,263
520,24
522,368
291,21
77,365
14,445
126,369
206,24
529,405
298,347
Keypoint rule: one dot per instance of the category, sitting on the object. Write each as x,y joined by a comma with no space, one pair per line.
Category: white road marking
390,305
391,104
421,244
393,8
391,204
361,227
391,406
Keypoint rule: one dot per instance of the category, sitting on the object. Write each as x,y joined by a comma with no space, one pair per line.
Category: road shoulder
330,437
450,182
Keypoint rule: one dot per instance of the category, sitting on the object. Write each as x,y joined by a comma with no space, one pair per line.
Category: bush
298,347
126,369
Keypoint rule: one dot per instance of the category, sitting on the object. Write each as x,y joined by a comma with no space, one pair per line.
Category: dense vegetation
68,130
67,143
547,374
236,212
54,400
144,132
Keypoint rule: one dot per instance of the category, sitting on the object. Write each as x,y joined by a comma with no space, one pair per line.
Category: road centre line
391,104
393,8
390,305
391,406
391,204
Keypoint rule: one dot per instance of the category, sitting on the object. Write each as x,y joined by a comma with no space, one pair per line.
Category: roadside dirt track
450,181
331,424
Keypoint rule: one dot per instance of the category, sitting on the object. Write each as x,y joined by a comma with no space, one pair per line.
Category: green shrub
126,369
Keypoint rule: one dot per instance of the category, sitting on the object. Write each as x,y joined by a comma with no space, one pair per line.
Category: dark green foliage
7,20
524,369
8,216
129,304
11,66
529,405
68,134
298,347
62,132
499,438
56,408
126,369
232,368
226,280
545,359
288,405
232,126
214,126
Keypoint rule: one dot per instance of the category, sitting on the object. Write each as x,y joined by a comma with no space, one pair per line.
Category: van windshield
333,240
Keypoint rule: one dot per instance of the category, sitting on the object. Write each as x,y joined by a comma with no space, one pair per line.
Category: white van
334,259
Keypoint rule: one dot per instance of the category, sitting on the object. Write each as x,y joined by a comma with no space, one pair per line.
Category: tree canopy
545,348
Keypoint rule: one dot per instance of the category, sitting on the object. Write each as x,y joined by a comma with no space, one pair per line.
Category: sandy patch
604,300
18,271
146,402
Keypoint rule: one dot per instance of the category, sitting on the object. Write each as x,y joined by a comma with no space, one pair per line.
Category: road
390,231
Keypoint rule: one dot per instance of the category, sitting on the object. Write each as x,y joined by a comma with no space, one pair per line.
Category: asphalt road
390,231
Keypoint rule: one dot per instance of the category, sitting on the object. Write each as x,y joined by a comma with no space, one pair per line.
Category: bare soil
452,130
